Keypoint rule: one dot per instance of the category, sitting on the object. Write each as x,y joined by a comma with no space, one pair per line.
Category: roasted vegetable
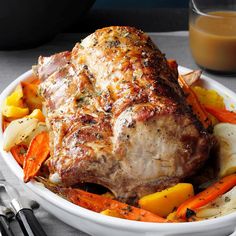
14,112
188,208
31,97
17,131
16,97
192,77
13,106
108,194
222,115
18,152
223,205
41,126
226,135
37,114
100,203
123,210
37,153
173,217
193,101
5,124
209,97
164,202
112,213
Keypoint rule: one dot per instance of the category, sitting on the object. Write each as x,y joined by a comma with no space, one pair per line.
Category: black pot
29,23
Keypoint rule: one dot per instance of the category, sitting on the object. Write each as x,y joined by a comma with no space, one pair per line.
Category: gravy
213,41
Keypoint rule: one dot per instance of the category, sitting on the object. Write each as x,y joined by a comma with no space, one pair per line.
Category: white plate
101,225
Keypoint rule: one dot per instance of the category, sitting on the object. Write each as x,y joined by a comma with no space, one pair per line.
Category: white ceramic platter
101,225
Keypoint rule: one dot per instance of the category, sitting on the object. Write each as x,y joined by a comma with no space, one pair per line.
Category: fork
24,214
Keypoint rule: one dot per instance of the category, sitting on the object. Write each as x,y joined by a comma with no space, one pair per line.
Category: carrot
5,124
222,115
19,152
208,195
36,80
192,98
37,153
193,101
100,203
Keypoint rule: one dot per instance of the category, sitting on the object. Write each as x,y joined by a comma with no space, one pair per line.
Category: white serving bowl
101,225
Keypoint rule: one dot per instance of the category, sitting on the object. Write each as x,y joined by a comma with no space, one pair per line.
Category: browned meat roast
117,116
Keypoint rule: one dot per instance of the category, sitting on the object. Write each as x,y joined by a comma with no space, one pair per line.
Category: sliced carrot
222,115
33,79
19,152
208,195
36,80
37,153
5,124
192,98
100,203
193,101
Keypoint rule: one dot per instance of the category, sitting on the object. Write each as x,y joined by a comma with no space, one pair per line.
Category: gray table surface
14,63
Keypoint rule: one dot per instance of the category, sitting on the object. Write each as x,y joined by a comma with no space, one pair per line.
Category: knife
24,214
5,229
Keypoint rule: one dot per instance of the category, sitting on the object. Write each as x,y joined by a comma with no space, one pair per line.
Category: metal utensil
24,214
5,229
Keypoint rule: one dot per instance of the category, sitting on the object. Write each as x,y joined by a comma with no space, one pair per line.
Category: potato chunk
13,106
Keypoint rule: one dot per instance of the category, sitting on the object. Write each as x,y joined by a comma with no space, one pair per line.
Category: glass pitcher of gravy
212,34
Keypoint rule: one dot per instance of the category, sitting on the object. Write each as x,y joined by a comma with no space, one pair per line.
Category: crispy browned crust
112,90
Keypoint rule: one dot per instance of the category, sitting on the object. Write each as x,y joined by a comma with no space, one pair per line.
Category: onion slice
17,131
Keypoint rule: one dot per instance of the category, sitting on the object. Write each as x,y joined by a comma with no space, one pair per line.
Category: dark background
148,15
30,23
140,3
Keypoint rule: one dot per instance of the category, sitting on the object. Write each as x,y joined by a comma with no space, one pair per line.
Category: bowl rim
98,218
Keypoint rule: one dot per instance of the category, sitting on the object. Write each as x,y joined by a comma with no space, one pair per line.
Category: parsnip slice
226,135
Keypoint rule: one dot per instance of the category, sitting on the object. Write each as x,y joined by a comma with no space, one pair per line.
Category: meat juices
118,117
